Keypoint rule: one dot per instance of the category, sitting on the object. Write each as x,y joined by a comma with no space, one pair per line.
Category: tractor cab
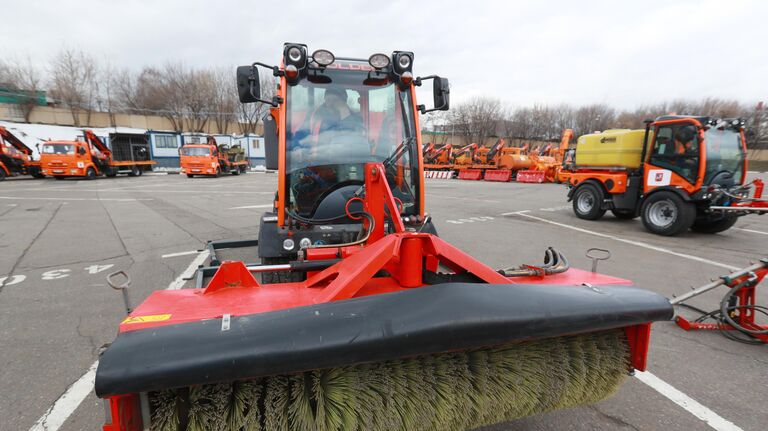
330,118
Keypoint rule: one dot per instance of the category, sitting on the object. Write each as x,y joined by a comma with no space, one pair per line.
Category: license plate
58,171
195,170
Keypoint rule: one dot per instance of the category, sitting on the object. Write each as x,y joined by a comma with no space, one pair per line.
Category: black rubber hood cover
424,320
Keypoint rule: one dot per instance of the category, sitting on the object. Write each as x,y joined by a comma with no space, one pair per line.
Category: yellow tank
615,147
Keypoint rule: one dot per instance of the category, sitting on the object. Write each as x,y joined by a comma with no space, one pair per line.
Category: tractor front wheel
666,213
587,202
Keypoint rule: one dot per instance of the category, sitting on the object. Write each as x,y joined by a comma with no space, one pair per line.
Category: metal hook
597,257
122,287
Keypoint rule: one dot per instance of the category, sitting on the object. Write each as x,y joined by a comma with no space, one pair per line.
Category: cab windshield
337,120
725,153
195,151
58,149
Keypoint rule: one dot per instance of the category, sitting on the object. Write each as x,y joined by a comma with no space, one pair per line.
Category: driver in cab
336,115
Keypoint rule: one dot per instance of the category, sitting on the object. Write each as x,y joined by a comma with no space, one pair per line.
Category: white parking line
71,399
626,241
252,206
692,406
751,231
181,253
13,198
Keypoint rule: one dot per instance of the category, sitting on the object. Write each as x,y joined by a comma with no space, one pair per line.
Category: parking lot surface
59,240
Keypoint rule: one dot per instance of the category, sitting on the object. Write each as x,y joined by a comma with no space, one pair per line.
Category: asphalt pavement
59,240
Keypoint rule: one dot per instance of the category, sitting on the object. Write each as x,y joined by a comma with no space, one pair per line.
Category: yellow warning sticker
145,319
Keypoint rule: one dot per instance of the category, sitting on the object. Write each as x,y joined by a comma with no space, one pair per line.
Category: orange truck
680,172
16,157
86,159
212,159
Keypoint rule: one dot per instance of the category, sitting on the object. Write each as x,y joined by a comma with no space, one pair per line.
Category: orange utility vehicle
548,161
16,157
681,172
212,159
90,158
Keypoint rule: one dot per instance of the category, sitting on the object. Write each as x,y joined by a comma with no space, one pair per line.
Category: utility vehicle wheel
135,172
666,213
624,214
235,171
38,175
139,172
90,174
709,226
587,201
111,173
279,276
243,169
190,175
218,173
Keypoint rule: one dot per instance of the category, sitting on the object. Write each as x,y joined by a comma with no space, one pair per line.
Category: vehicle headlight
288,244
378,61
323,57
294,54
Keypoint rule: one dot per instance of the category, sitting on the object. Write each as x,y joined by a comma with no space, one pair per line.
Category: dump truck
88,159
680,172
16,158
212,159
352,313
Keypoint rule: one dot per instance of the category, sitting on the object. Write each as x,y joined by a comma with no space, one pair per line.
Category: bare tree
224,102
477,119
24,79
75,83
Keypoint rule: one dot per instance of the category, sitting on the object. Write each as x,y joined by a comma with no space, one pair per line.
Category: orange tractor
87,159
681,172
357,315
16,157
212,159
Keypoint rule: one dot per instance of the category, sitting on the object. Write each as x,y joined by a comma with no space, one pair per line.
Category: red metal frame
745,317
125,412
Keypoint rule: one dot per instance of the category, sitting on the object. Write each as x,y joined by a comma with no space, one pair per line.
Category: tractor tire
624,214
190,176
587,201
716,226
276,277
90,174
666,213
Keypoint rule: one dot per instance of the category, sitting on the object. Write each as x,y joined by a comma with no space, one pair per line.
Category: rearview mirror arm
423,108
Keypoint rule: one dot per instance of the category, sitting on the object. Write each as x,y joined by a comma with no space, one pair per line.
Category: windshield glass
337,120
724,153
58,149
195,151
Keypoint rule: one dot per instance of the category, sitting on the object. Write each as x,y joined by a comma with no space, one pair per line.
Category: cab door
676,156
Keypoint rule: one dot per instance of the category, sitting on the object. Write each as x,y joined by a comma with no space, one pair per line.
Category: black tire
624,214
111,172
58,178
243,169
135,172
666,213
190,175
90,174
280,276
235,171
587,201
218,173
38,175
713,226
139,172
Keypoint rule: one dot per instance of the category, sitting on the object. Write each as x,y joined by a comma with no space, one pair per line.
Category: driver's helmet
685,134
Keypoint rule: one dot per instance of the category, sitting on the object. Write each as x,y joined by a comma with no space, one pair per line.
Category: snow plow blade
428,320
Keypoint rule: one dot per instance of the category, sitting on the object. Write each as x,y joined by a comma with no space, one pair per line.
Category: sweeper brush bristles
446,391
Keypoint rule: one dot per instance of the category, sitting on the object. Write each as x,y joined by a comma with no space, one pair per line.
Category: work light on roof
323,57
294,54
378,61
404,61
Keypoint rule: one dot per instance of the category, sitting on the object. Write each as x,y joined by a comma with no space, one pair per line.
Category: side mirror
441,92
271,148
248,85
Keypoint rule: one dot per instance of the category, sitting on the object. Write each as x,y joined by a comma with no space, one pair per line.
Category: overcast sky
522,52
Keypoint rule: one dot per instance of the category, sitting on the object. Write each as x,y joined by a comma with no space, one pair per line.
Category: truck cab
15,157
62,159
681,172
